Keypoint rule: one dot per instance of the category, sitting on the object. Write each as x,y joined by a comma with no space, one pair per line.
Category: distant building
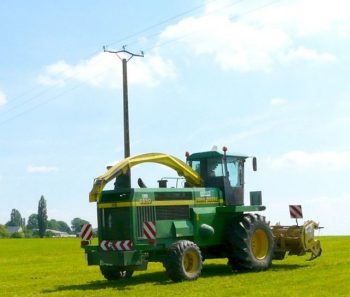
14,229
59,233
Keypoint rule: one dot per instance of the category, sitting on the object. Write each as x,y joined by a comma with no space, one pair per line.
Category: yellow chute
191,176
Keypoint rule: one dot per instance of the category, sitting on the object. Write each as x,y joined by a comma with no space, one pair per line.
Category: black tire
183,261
113,273
250,244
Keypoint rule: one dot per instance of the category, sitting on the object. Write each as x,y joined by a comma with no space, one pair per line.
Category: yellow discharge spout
191,176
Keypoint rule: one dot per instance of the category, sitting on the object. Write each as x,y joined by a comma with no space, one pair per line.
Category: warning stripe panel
149,230
117,245
86,232
295,211
105,245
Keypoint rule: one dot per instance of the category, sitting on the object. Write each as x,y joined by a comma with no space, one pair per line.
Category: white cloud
314,17
104,70
278,101
302,53
256,37
304,160
240,36
3,99
48,79
321,207
41,169
235,45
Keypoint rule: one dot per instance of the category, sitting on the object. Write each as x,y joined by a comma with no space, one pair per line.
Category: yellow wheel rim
260,244
191,261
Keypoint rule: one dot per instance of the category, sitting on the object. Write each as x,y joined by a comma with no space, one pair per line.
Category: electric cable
40,94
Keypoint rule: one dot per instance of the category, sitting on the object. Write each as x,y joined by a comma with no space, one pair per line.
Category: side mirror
255,164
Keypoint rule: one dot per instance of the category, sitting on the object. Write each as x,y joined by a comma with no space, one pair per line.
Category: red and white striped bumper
117,245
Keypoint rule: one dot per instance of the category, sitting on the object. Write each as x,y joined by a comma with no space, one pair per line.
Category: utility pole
125,56
121,55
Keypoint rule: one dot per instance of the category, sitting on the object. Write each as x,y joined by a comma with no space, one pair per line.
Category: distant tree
42,217
35,233
63,226
28,233
3,232
17,235
15,218
33,222
58,225
24,227
77,223
53,225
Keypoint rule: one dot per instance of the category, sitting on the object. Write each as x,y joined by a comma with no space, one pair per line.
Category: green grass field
56,267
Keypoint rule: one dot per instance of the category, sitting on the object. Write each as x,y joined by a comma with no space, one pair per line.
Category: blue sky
265,78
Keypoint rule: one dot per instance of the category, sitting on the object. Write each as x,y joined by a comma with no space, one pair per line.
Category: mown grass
56,267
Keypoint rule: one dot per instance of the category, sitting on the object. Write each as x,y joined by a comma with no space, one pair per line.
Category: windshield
215,167
233,172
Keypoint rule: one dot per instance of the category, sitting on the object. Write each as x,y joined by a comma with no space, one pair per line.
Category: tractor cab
219,170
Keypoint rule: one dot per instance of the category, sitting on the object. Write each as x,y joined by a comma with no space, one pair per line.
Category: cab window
196,166
233,172
215,167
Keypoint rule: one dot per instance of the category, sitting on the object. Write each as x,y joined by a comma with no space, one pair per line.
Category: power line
175,17
40,94
120,40
127,37
190,33
25,93
30,99
41,104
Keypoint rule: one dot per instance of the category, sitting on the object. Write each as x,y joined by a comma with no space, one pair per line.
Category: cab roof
214,154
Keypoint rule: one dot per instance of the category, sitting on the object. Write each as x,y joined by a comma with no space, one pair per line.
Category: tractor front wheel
250,244
184,261
113,273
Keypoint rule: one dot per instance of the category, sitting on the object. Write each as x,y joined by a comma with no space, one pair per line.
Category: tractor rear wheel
114,273
184,261
250,244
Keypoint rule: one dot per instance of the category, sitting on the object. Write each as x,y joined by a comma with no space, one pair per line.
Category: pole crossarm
131,55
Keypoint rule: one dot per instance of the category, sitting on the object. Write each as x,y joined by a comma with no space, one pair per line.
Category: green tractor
180,227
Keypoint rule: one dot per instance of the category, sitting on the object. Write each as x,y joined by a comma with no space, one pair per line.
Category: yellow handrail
182,169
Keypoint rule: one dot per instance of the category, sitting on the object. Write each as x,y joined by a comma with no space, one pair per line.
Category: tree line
38,224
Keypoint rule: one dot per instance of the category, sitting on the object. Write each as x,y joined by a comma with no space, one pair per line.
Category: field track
56,267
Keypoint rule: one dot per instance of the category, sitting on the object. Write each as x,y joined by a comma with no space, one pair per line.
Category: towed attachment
296,240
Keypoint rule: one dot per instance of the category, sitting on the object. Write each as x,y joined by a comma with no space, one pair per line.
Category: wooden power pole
125,56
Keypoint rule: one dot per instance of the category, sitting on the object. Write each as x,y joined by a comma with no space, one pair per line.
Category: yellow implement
296,240
191,176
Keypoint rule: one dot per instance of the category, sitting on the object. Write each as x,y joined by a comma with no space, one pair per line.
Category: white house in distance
14,229
59,233
18,229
